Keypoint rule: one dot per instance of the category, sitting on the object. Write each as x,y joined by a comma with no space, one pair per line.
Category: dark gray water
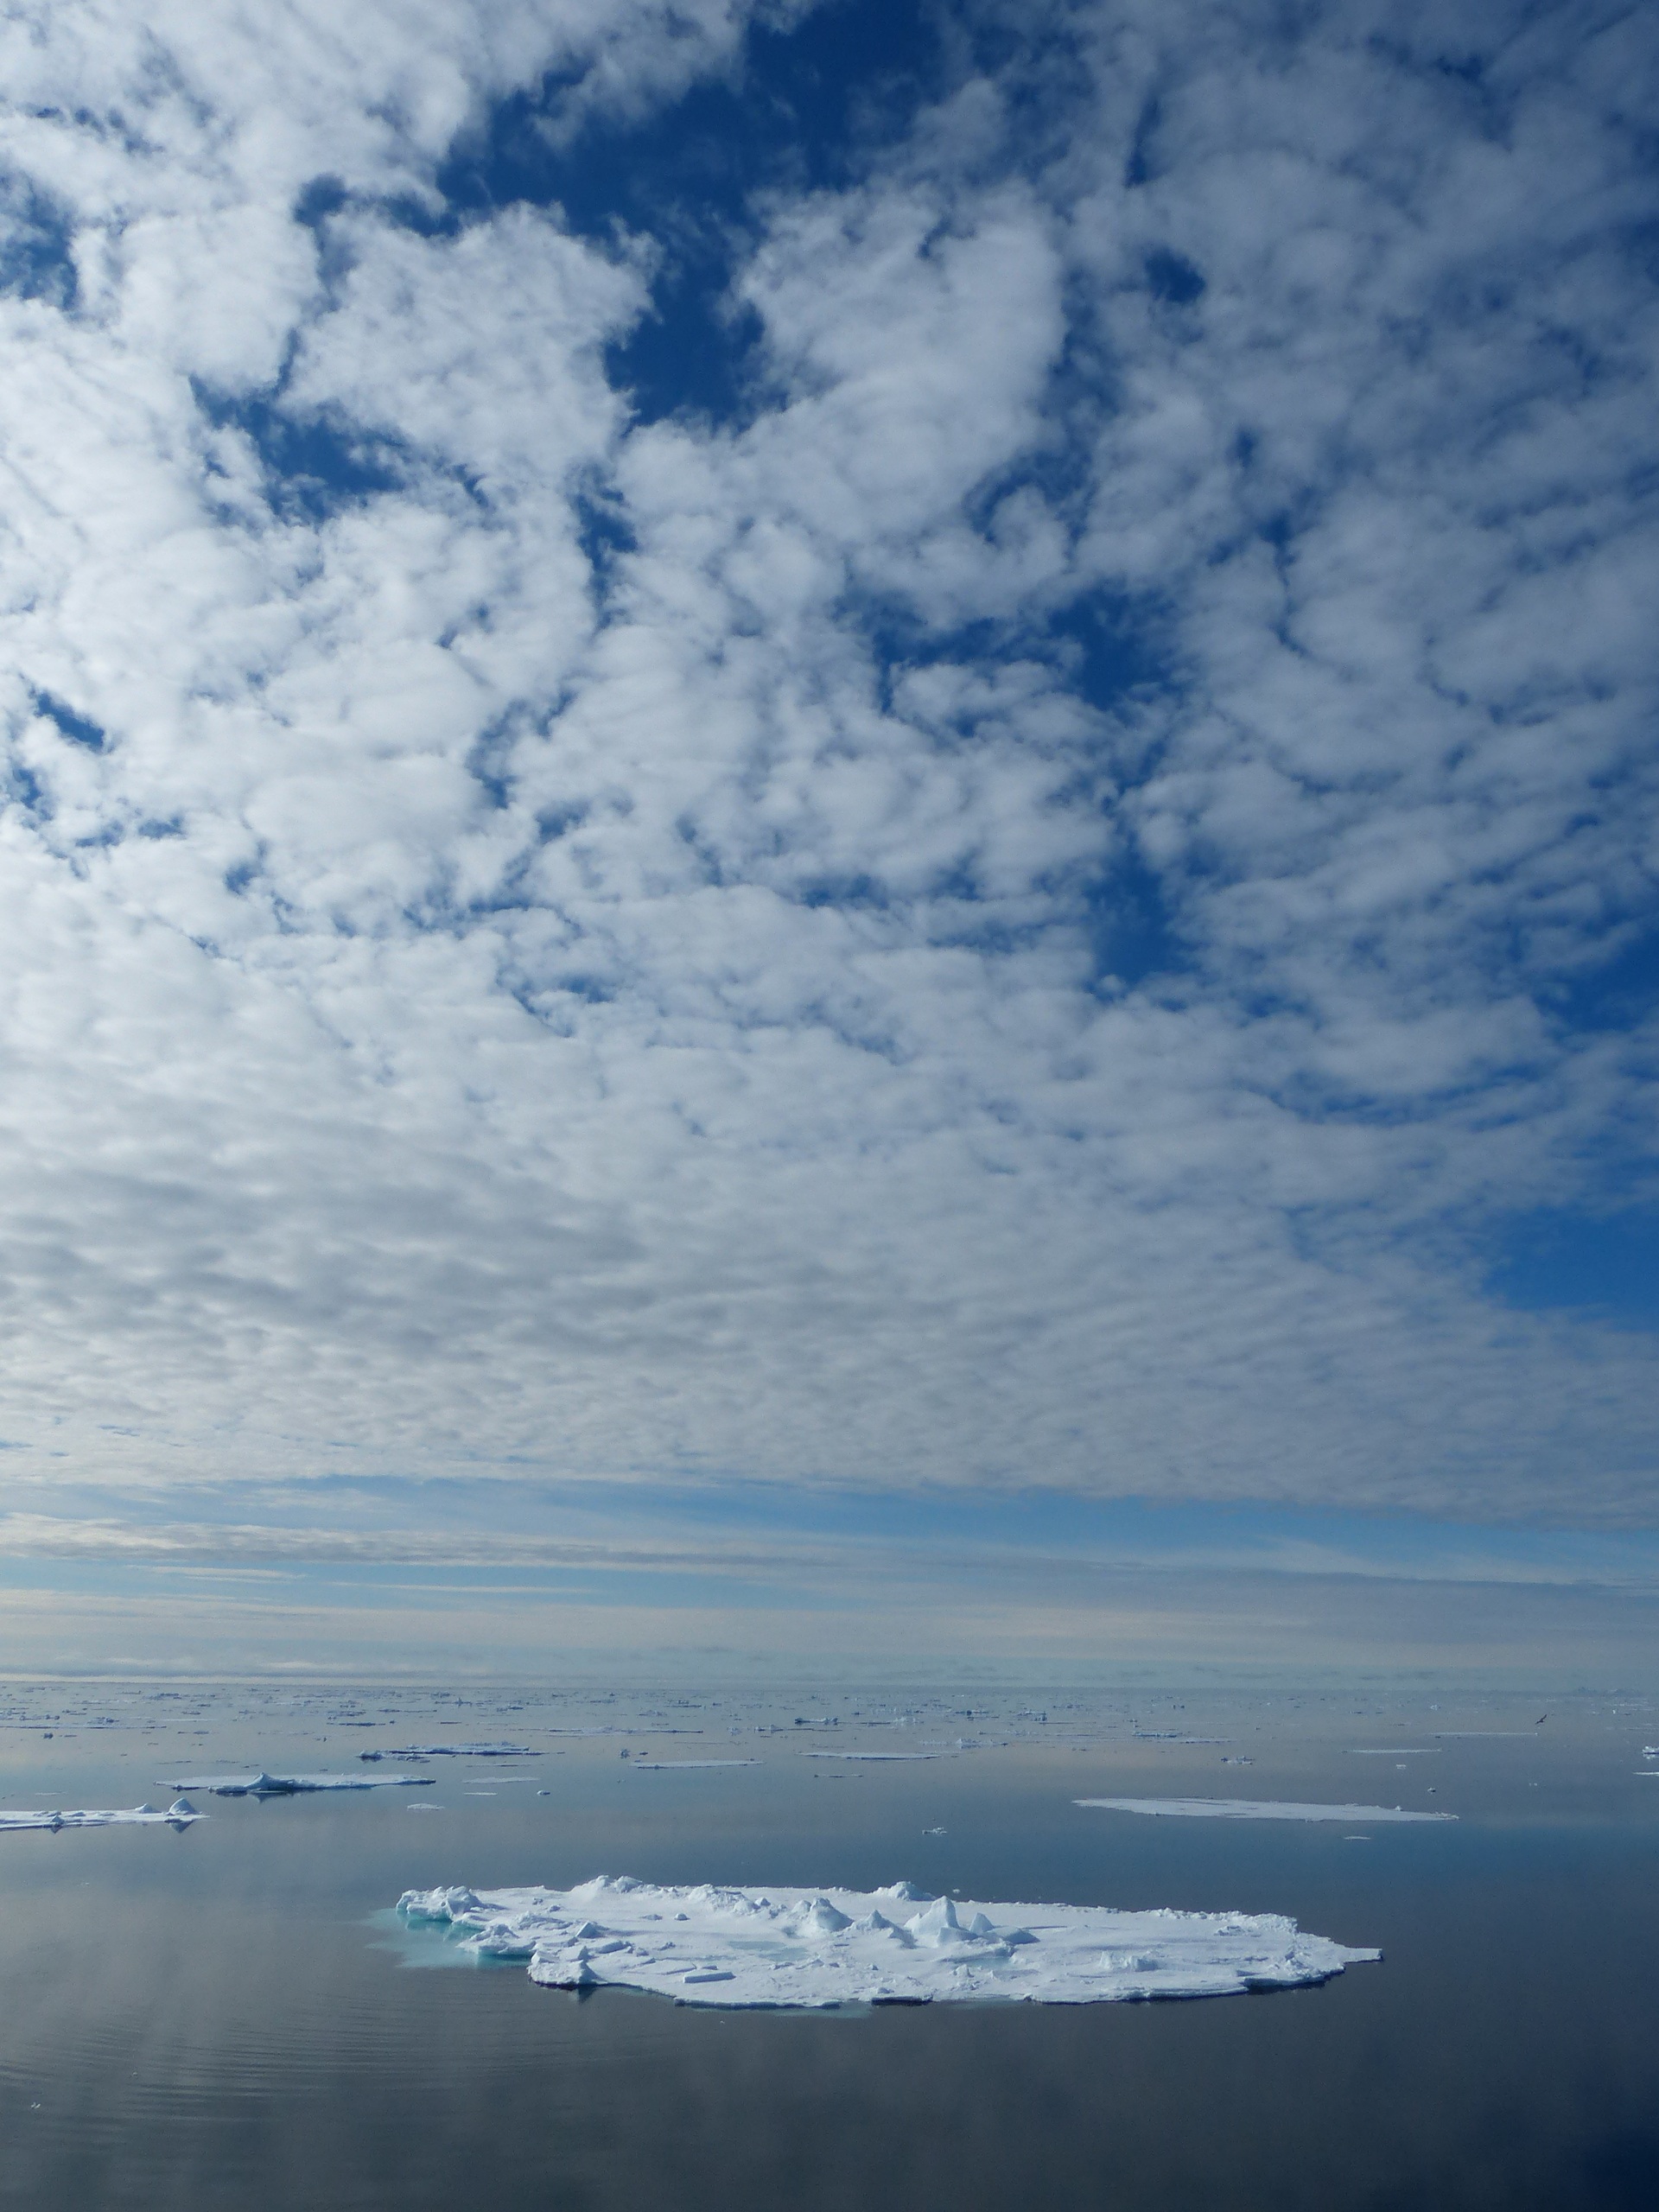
220,2017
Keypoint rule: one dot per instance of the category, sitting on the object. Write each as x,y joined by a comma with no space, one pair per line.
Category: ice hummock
179,1815
788,1947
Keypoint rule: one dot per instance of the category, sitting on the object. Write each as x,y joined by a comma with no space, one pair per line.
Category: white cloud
476,1009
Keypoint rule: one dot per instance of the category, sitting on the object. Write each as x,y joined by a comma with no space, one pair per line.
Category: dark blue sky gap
35,258
78,729
313,468
1616,994
1132,926
1604,1265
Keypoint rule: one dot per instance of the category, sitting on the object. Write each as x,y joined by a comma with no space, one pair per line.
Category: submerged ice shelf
788,1947
179,1815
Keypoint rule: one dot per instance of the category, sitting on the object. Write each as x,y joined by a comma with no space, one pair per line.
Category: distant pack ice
789,1947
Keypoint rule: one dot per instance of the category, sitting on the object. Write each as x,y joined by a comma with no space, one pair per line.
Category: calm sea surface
225,2016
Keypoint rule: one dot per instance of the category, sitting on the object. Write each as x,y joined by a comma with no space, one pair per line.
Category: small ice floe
1167,1735
297,1786
786,1948
885,1758
671,1766
1252,1808
454,1751
179,1815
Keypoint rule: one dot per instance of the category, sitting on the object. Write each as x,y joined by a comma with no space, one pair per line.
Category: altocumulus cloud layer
801,744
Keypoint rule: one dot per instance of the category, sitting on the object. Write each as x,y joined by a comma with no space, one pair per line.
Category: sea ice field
218,2000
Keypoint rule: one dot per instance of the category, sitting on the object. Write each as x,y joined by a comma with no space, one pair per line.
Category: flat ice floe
666,1767
297,1786
782,1948
887,1757
1253,1809
179,1815
453,1751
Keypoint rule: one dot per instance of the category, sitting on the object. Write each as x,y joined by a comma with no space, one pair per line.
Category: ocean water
233,2015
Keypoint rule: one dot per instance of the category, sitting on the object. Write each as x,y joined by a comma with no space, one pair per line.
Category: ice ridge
782,1948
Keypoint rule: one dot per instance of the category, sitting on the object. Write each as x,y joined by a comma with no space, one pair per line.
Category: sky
803,804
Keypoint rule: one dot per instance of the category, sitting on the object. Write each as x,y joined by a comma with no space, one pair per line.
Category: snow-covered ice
790,1947
179,1815
1254,1808
297,1786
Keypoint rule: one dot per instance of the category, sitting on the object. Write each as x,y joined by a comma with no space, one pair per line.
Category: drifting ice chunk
297,1786
454,1751
179,1815
668,1766
888,1757
772,1948
1253,1809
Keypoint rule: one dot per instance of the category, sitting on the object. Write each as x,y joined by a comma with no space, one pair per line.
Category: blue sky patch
1605,1266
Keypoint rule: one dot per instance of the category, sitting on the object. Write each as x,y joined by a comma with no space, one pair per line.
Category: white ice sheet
787,1948
1254,1808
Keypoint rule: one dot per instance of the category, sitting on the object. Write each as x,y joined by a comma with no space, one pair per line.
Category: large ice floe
179,1815
1252,1808
787,1947
297,1786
